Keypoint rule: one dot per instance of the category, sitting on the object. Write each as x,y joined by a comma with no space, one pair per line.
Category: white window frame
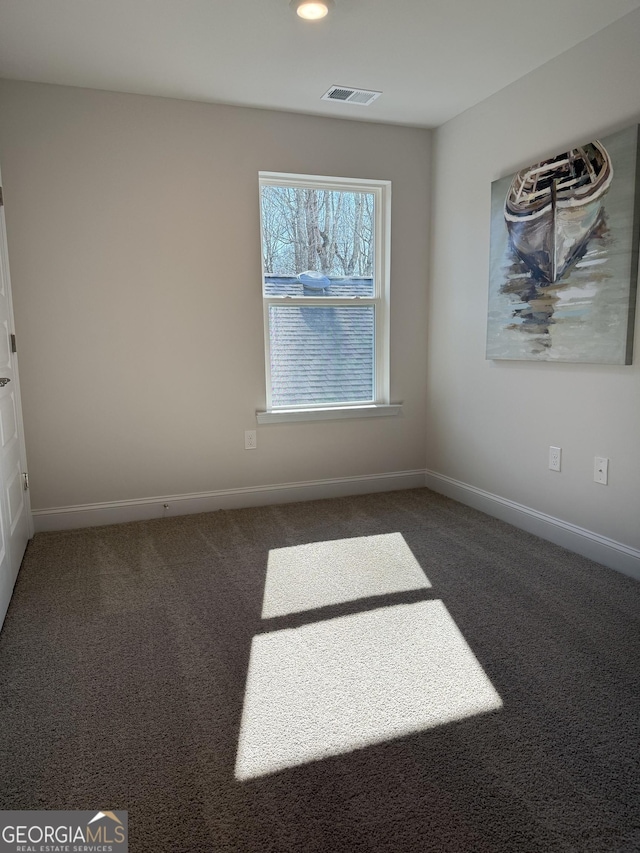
380,300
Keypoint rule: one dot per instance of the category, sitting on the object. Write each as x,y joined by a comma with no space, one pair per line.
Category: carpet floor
389,672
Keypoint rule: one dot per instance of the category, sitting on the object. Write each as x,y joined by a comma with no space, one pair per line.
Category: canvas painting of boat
564,255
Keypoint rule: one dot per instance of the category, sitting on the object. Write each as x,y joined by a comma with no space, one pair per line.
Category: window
325,284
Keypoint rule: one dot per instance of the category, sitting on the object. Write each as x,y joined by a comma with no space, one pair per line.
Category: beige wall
490,423
134,246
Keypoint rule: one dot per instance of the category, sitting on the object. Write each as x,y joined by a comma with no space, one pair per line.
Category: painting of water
564,256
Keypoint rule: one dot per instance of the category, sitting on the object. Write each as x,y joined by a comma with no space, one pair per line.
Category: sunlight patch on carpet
335,686
319,574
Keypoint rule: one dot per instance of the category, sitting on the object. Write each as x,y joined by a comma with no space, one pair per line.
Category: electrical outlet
555,458
601,470
250,439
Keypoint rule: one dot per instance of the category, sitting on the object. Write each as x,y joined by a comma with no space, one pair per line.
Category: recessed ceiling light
312,10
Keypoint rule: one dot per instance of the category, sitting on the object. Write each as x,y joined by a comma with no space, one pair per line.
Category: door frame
4,260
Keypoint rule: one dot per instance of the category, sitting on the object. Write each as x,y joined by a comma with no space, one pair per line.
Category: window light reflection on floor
304,577
341,684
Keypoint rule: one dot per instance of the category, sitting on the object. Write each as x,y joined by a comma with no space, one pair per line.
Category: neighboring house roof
289,285
321,354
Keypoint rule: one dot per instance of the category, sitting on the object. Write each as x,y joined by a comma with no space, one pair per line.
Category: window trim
380,405
329,413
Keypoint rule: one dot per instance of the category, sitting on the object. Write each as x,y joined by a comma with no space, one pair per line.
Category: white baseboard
599,548
116,512
603,550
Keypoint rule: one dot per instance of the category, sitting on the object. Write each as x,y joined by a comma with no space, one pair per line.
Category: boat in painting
553,207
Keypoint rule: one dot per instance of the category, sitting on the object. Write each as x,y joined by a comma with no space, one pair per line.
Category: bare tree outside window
327,231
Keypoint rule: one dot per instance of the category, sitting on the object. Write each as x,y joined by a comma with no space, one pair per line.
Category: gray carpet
472,688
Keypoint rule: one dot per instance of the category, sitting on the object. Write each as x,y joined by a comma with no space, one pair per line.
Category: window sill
281,416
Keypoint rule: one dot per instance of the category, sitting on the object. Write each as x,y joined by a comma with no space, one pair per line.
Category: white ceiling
432,59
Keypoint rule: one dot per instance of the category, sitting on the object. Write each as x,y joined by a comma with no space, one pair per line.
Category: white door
16,526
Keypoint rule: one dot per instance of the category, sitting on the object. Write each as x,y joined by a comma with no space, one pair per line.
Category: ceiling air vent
362,97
